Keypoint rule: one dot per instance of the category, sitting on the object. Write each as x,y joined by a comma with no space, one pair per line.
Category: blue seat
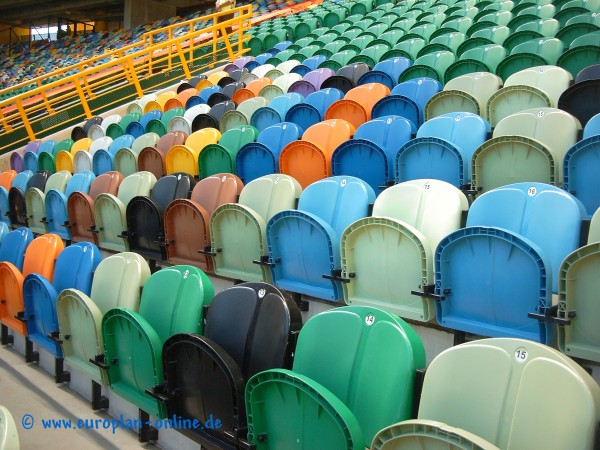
581,166
155,114
262,157
205,93
312,111
74,268
313,62
443,149
57,214
104,160
419,90
386,72
275,113
13,246
3,231
592,128
371,154
504,265
304,244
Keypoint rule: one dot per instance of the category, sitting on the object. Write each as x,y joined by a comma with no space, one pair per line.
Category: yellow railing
93,86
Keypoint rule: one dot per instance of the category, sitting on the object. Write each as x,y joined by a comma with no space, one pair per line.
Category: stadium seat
220,362
526,146
80,206
349,363
371,153
442,149
242,114
19,182
109,210
35,200
238,231
387,258
74,268
312,111
535,52
172,301
104,160
126,158
97,130
431,65
325,209
274,113
184,158
221,157
386,72
186,222
580,168
56,217
40,258
514,379
484,58
515,240
580,99
117,282
16,196
152,159
357,104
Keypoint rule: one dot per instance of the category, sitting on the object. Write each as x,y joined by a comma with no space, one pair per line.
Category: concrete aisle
27,389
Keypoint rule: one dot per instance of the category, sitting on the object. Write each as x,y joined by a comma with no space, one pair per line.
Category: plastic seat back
186,222
357,104
365,347
13,246
172,302
508,376
35,200
221,157
152,159
238,230
389,255
117,282
184,158
221,362
317,227
74,268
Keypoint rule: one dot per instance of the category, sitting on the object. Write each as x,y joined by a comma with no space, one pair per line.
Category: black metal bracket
93,229
264,261
55,337
158,393
428,291
551,315
60,374
336,275
302,304
207,250
146,432
98,361
99,401
5,338
21,316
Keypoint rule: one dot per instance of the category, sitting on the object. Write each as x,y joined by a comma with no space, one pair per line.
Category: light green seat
238,230
449,41
480,59
353,374
574,9
371,55
432,65
405,23
390,254
491,35
9,437
578,26
536,52
422,30
338,60
279,87
434,18
410,48
35,200
527,146
466,93
243,113
173,300
584,51
126,159
513,393
391,36
537,87
220,158
109,210
331,48
117,282
533,29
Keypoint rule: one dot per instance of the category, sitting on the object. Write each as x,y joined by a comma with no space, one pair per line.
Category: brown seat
187,221
80,206
152,159
357,104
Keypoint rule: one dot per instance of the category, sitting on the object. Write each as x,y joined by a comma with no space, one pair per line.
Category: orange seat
185,95
187,221
357,104
40,258
251,90
309,159
152,159
163,98
80,206
6,178
172,103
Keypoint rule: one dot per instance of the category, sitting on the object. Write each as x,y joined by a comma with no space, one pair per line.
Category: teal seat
480,59
536,52
117,282
221,157
353,373
173,301
432,65
388,258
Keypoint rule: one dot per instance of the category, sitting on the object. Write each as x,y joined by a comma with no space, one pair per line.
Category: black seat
16,198
217,97
225,81
249,328
589,73
582,99
145,227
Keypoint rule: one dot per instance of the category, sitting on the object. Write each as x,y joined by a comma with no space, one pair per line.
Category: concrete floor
28,389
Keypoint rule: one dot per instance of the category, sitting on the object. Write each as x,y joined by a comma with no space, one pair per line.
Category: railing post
44,97
134,78
4,122
184,64
84,103
25,119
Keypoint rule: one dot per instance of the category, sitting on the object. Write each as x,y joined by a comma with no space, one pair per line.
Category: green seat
116,130
527,146
109,210
578,26
161,126
390,254
334,17
371,55
9,437
533,29
220,158
47,160
410,48
35,200
521,385
338,60
361,7
238,231
466,93
434,18
377,29
404,23
422,30
392,36
492,35
173,300
536,52
432,65
243,113
574,9
584,51
126,159
331,48
353,374
537,87
480,59
117,282
305,27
